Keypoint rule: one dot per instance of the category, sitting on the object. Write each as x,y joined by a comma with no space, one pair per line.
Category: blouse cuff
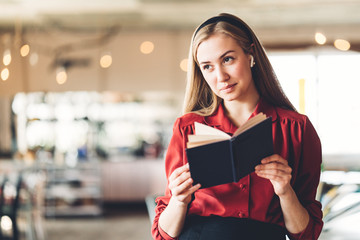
302,234
164,235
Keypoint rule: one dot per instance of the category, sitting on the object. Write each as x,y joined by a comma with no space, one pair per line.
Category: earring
252,62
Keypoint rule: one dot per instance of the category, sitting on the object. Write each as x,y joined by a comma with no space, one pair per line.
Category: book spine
233,166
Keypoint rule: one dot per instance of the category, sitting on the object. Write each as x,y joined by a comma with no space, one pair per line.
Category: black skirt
229,228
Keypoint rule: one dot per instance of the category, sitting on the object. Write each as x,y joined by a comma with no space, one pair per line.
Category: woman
231,80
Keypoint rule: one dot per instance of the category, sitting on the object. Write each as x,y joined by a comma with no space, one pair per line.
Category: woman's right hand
173,217
180,184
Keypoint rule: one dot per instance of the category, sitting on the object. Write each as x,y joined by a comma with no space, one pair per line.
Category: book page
202,129
202,138
201,143
250,123
205,134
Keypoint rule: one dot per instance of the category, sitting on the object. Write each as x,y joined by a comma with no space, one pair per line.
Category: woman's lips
228,88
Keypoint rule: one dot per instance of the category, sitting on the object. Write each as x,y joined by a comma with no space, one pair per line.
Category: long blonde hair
199,98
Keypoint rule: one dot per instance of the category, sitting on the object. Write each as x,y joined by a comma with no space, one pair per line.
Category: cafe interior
90,90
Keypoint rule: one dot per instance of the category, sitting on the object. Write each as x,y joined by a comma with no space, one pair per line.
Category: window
332,99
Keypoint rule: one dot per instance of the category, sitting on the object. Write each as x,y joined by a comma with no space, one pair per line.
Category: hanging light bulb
7,57
147,47
106,60
25,50
342,44
5,73
320,38
61,75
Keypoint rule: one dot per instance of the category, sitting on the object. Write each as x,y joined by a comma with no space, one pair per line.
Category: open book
217,158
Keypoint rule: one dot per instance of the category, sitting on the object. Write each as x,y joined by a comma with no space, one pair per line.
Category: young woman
231,80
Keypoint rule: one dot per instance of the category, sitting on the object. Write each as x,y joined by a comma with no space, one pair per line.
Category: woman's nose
221,74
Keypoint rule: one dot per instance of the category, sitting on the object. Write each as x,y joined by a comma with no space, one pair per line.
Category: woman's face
226,68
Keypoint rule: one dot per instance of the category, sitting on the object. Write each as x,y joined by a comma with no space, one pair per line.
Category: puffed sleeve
307,180
174,159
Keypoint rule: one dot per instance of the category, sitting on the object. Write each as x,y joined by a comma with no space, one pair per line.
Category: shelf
73,191
65,211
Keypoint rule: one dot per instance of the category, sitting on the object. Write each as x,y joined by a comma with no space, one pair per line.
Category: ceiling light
106,61
147,47
320,38
61,76
7,57
25,50
342,44
5,73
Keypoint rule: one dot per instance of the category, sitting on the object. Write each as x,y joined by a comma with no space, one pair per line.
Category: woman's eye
228,59
206,67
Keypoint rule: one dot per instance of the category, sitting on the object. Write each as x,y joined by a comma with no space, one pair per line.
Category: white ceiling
271,18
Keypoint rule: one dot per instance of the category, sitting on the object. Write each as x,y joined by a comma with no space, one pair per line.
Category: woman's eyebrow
227,52
222,55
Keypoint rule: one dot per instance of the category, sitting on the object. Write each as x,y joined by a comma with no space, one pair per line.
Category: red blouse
295,139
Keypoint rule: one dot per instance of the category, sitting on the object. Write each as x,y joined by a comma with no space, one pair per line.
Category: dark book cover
230,160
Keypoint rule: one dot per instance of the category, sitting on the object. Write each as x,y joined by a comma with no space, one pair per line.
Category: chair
2,184
8,208
13,208
150,205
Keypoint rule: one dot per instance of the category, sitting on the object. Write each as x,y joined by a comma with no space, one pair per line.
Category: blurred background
89,91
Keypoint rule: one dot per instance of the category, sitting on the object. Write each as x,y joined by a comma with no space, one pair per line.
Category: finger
188,192
194,188
182,188
178,171
274,158
274,166
276,178
273,172
183,177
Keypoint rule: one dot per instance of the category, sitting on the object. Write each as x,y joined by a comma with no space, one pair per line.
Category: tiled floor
131,222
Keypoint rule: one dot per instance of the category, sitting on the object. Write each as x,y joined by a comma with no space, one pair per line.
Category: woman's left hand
277,170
